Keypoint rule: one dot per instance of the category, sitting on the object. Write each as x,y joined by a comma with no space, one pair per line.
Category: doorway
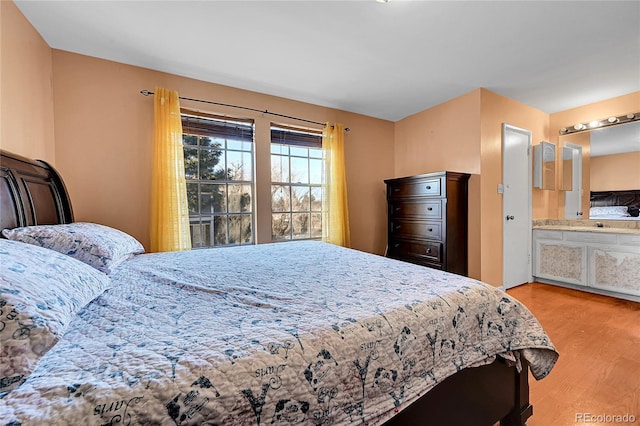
516,206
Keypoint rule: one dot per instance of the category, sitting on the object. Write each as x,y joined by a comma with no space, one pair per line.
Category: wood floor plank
598,372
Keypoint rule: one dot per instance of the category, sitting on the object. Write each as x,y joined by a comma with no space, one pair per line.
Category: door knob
510,217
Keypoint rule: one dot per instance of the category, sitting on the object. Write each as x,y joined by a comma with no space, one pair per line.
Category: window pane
316,225
234,144
212,164
240,229
212,198
239,198
301,222
299,151
279,168
300,198
316,199
315,171
239,165
280,226
220,230
189,139
299,170
280,198
191,163
276,148
235,222
212,142
196,234
315,153
192,198
246,235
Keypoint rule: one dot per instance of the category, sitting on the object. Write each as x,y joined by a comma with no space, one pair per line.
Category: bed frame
33,193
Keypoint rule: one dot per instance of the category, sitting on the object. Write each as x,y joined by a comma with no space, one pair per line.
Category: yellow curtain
169,208
335,222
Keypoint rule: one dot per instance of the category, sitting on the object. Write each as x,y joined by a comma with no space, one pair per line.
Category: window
296,184
218,157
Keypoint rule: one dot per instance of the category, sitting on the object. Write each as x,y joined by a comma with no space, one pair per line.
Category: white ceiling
383,60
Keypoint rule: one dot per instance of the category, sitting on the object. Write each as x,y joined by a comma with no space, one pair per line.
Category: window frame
295,139
216,127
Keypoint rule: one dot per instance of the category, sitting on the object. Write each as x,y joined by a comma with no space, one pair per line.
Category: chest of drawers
427,220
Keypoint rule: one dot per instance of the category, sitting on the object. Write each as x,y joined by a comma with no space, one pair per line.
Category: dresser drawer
423,209
425,250
416,229
431,187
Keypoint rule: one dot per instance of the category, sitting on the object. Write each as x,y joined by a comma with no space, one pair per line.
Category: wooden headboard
31,193
630,198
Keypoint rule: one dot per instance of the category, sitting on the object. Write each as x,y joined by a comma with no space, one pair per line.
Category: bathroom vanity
603,260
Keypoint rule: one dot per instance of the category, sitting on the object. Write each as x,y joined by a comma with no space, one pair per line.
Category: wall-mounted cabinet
544,165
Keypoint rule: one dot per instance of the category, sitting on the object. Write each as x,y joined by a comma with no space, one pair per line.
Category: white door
573,198
516,206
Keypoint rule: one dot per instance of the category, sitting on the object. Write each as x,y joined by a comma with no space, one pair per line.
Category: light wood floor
598,371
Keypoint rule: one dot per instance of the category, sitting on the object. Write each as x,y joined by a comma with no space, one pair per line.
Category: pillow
41,291
616,211
100,246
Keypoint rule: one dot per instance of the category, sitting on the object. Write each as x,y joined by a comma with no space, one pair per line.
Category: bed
615,205
287,333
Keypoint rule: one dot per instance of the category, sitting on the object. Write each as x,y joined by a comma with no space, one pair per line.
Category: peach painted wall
615,106
465,134
26,93
615,172
496,110
445,137
104,145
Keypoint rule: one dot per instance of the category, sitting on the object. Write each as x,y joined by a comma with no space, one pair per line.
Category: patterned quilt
289,333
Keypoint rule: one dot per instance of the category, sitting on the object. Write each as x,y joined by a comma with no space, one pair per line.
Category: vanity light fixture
611,121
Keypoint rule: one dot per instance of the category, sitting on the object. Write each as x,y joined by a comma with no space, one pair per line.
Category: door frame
505,129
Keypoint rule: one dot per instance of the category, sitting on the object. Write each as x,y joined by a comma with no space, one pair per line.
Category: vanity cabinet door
615,268
561,261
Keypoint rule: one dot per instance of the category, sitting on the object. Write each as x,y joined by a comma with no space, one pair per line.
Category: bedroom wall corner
496,110
26,101
446,137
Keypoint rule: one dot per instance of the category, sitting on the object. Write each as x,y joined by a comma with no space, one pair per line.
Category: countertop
593,228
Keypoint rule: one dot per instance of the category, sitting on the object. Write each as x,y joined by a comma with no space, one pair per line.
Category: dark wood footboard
474,396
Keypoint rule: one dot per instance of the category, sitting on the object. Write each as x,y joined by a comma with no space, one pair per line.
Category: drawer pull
428,250
396,245
430,229
429,208
428,186
396,189
398,209
398,227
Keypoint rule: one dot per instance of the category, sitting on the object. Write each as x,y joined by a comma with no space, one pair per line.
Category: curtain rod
149,92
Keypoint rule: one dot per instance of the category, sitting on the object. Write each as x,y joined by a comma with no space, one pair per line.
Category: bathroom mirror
611,156
544,165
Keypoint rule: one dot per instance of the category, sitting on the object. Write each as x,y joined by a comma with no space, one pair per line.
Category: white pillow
615,211
100,246
41,291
